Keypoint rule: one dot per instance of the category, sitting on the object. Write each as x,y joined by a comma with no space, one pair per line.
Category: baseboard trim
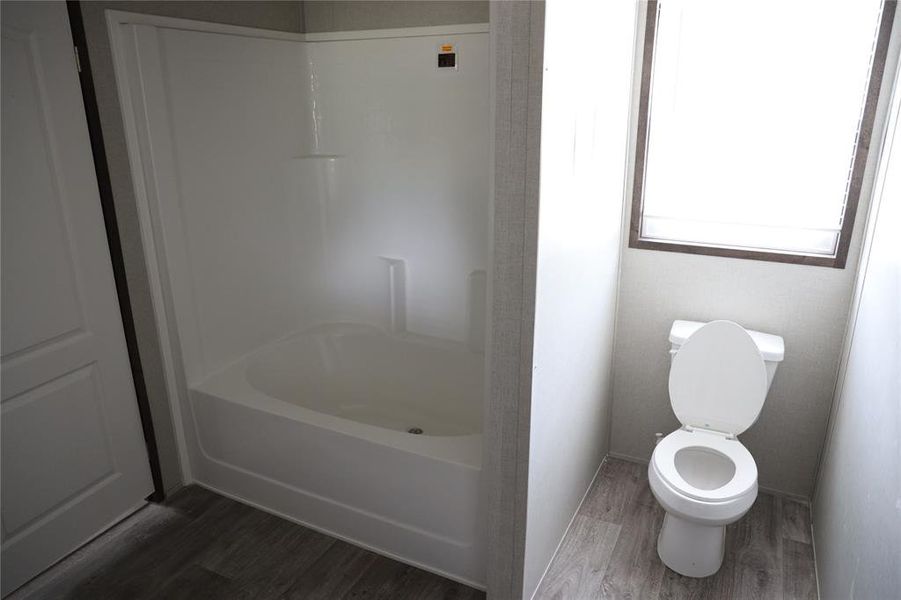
813,545
627,458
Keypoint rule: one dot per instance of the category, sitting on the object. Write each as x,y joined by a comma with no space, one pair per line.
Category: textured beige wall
285,16
375,14
808,306
517,35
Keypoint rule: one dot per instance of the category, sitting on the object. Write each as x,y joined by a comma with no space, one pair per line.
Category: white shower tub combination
315,217
328,413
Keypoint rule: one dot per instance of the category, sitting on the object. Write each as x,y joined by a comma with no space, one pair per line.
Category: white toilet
701,474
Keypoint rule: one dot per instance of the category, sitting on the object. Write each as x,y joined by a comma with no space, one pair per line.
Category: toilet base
689,548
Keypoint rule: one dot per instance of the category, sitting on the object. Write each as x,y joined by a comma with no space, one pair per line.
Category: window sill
835,262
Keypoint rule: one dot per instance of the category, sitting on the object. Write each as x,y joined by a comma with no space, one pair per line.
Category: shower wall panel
226,120
412,145
300,183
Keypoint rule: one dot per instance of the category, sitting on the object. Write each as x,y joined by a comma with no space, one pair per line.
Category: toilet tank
771,347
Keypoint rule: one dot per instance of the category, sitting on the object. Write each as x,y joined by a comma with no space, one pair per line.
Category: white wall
583,153
806,305
857,506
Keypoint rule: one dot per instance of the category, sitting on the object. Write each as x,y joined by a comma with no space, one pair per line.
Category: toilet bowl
701,475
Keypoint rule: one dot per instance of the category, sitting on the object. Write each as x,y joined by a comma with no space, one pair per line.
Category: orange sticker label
447,47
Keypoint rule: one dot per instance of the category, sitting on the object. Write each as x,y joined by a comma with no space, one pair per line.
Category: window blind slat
820,242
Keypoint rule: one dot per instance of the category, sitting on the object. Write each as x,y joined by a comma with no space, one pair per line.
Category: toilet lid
718,379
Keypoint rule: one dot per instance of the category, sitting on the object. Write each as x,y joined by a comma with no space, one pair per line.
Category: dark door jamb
92,113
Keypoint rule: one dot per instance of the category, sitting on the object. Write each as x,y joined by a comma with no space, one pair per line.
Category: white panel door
73,455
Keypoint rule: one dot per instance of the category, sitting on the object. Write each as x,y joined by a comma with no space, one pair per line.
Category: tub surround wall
806,305
273,15
291,202
583,155
286,185
409,146
857,505
241,234
283,16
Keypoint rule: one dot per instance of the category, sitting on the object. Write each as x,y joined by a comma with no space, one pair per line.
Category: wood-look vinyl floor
199,546
610,550
202,546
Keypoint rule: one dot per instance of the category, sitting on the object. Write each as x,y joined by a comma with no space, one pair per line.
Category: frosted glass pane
753,119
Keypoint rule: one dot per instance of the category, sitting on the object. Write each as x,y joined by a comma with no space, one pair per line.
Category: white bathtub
316,428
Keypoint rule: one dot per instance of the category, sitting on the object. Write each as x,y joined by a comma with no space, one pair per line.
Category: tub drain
414,430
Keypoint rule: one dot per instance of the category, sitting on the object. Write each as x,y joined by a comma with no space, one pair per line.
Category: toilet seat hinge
690,429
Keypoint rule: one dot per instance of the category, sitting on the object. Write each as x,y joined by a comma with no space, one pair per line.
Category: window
754,126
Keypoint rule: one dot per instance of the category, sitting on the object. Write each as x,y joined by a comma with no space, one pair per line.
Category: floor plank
635,570
616,484
581,563
197,583
423,585
265,554
755,551
202,545
333,575
193,501
103,554
139,575
679,587
381,580
799,580
763,558
795,521
387,579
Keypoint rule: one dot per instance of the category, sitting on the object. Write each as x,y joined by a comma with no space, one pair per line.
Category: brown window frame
858,166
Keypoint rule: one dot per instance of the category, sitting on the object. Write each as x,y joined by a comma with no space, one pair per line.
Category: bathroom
401,299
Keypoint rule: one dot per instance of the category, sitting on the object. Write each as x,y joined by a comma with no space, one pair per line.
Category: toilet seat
743,480
718,379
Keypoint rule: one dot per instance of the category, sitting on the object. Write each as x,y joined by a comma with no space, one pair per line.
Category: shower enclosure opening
315,219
